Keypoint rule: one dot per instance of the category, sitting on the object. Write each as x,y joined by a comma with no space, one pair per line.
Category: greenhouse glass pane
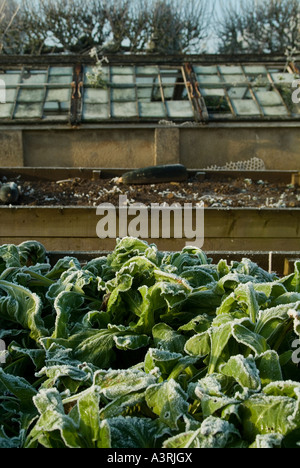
255,69
124,109
29,111
11,79
235,79
245,107
95,95
34,78
6,110
210,79
95,111
239,93
268,98
212,92
60,71
122,70
144,94
152,109
10,94
60,95
230,70
279,111
123,94
180,109
122,79
282,78
57,107
31,95
60,79
203,70
152,70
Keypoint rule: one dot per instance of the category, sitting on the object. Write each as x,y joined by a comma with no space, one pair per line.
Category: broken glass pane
217,104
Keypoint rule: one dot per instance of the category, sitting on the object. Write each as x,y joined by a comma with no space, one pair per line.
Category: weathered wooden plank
58,173
82,221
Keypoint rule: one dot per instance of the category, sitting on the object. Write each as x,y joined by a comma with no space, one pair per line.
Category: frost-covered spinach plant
145,349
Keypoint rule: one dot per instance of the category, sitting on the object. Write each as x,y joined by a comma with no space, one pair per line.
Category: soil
225,192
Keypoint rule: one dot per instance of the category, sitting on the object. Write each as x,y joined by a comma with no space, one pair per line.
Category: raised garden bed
244,212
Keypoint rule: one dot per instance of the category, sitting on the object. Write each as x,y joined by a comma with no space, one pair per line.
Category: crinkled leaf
22,306
244,371
168,401
117,383
134,432
213,433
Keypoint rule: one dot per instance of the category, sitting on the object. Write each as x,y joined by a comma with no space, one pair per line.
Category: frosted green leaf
168,401
250,339
269,367
53,419
165,337
244,371
213,433
267,441
117,383
22,306
164,360
134,432
198,345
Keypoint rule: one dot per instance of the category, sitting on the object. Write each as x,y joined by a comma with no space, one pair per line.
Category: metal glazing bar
195,97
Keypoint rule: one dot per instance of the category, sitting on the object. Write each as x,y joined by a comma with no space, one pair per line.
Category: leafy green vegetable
146,349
